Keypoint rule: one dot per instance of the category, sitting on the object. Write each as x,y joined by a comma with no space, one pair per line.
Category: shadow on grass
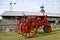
56,30
40,34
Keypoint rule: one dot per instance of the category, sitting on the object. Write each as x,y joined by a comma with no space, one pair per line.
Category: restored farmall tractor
29,25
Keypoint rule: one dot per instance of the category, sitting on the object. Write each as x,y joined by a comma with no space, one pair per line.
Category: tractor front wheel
47,28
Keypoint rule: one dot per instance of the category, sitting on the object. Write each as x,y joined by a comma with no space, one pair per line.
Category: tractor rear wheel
27,31
47,28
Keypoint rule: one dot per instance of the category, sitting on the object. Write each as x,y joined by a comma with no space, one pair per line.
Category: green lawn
54,35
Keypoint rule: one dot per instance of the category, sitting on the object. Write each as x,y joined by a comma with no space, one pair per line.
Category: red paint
31,25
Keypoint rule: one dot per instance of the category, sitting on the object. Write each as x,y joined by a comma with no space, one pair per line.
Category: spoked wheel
29,32
47,28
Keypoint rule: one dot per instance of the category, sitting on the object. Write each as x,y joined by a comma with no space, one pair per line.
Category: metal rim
29,34
48,29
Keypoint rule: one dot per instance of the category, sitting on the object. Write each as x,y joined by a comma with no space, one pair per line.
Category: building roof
22,13
12,13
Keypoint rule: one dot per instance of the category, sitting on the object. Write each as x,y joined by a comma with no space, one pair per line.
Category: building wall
9,23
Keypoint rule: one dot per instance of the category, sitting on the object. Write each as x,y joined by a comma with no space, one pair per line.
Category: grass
54,35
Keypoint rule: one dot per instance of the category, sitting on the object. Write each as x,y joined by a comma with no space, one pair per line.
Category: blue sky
31,5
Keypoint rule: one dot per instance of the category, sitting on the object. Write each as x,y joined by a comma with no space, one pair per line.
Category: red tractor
29,25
